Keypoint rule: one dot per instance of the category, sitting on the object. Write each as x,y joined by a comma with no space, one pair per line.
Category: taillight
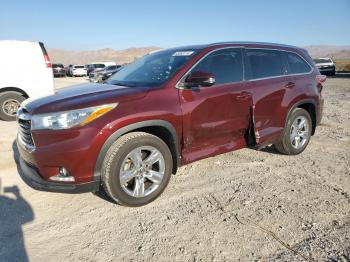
47,61
321,79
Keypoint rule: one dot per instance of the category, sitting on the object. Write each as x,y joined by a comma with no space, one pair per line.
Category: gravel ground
242,206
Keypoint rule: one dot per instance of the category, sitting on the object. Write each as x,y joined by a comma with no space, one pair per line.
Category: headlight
68,119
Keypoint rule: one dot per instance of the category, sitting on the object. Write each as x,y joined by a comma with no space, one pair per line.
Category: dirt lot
242,206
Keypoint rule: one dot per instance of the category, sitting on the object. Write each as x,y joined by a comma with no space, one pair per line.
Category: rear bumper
79,73
320,111
59,74
31,177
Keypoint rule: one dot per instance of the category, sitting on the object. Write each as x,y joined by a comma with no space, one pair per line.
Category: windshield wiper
123,84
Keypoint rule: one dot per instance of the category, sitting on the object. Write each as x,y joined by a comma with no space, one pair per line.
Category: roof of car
243,43
252,43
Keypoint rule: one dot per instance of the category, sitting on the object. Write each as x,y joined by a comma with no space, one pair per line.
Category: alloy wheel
299,132
142,171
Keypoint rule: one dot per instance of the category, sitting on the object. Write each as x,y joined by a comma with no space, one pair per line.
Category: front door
216,118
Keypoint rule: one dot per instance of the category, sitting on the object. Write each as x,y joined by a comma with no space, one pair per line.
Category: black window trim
244,48
284,75
182,79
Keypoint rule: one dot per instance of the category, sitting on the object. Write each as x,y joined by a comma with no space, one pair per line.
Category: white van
25,72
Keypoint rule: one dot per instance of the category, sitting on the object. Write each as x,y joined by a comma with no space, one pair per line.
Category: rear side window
297,65
225,64
261,63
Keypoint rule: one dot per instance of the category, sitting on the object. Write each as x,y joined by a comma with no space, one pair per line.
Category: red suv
168,109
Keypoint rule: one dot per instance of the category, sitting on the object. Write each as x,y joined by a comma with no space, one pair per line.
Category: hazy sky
82,25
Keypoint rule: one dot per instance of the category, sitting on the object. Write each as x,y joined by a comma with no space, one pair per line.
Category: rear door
266,71
215,118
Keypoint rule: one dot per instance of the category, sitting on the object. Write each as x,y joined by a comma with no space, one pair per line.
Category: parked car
68,70
92,67
165,110
35,80
78,70
325,65
58,70
103,75
94,72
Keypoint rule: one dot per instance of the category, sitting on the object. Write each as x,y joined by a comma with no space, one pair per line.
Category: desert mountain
128,55
334,52
85,57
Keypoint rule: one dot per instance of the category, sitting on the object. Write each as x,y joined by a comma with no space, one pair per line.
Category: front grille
25,132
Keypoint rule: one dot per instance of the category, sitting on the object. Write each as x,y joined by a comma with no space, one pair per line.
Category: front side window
225,64
296,64
262,63
153,69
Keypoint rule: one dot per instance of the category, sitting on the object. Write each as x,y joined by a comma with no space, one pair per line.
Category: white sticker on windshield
183,53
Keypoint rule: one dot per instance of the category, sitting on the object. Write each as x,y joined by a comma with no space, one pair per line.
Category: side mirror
199,78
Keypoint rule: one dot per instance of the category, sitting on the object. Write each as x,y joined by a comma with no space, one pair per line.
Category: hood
81,96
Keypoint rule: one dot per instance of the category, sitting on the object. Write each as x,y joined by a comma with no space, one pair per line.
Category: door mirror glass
199,78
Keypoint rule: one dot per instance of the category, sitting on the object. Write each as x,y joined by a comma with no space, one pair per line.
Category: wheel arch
160,128
310,106
13,89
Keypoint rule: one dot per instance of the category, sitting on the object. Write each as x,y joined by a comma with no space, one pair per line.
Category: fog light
63,172
63,176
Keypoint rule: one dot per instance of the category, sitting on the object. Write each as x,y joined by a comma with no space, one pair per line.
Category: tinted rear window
296,64
99,66
57,66
263,63
43,49
78,66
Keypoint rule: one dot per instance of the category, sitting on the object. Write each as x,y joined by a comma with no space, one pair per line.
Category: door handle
290,85
243,95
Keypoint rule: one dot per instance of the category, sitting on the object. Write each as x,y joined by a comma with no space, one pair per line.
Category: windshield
99,65
322,60
111,67
153,69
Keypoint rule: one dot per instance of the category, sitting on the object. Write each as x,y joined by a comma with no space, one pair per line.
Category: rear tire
296,134
9,104
136,169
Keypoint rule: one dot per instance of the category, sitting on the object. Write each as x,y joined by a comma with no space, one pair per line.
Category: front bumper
31,177
326,69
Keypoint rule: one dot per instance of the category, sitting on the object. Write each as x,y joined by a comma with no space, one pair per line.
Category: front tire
296,134
9,104
136,169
